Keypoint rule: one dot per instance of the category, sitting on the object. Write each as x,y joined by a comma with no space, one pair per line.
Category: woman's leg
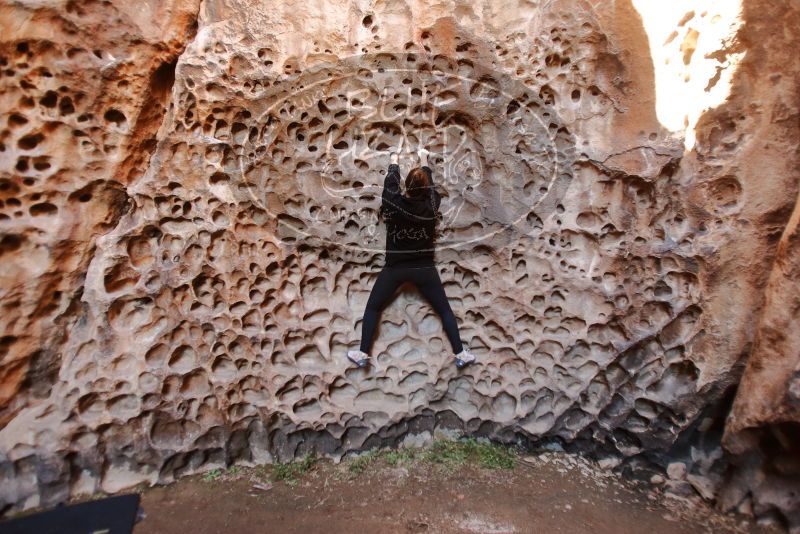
430,285
385,286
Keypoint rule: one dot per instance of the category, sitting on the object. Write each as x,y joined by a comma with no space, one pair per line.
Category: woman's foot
464,358
358,357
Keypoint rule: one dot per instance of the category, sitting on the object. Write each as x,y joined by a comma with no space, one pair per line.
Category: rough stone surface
83,86
184,300
83,91
676,470
763,429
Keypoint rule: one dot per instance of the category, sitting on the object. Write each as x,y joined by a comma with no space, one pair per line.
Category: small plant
400,456
292,472
454,454
359,464
494,456
262,472
449,454
212,475
234,471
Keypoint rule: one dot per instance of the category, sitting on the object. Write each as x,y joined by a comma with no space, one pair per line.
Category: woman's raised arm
391,184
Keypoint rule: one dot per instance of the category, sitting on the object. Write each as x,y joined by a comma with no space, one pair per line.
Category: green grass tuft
447,454
495,456
400,457
360,463
292,472
212,475
452,455
234,471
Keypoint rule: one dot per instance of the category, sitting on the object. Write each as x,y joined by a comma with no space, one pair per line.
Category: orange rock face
190,231
84,89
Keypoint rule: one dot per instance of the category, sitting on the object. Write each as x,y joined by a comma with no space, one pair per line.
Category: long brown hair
417,183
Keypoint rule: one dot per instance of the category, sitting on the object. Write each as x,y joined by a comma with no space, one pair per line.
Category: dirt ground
553,493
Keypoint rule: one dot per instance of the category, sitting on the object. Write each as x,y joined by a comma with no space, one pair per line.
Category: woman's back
410,221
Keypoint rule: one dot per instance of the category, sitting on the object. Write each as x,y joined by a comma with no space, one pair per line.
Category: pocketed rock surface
190,231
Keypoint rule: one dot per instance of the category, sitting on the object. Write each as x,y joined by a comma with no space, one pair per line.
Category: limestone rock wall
84,87
607,274
763,428
761,433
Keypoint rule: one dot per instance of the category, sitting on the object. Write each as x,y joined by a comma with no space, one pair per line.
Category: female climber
410,236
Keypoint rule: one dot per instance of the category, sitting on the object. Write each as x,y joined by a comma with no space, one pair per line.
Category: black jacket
410,222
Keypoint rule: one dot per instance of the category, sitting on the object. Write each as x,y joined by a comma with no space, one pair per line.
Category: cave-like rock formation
189,230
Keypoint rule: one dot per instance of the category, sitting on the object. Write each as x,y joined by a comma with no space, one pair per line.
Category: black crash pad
113,515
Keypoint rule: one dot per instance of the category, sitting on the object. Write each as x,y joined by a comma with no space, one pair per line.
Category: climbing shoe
464,358
357,357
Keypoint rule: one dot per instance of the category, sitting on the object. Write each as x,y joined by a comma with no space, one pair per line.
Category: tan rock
84,90
180,286
676,471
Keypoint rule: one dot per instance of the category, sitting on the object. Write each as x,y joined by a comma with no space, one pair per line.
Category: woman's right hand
423,153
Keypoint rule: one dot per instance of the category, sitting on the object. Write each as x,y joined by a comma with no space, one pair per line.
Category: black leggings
429,284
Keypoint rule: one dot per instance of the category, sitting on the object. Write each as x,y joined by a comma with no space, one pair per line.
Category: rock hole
43,208
15,119
29,142
49,100
65,106
10,243
115,116
41,163
84,194
219,177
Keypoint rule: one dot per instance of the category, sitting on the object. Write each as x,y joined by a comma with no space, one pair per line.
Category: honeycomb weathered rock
606,276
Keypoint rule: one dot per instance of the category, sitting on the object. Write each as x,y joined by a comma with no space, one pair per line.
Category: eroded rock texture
607,275
75,81
83,87
763,429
